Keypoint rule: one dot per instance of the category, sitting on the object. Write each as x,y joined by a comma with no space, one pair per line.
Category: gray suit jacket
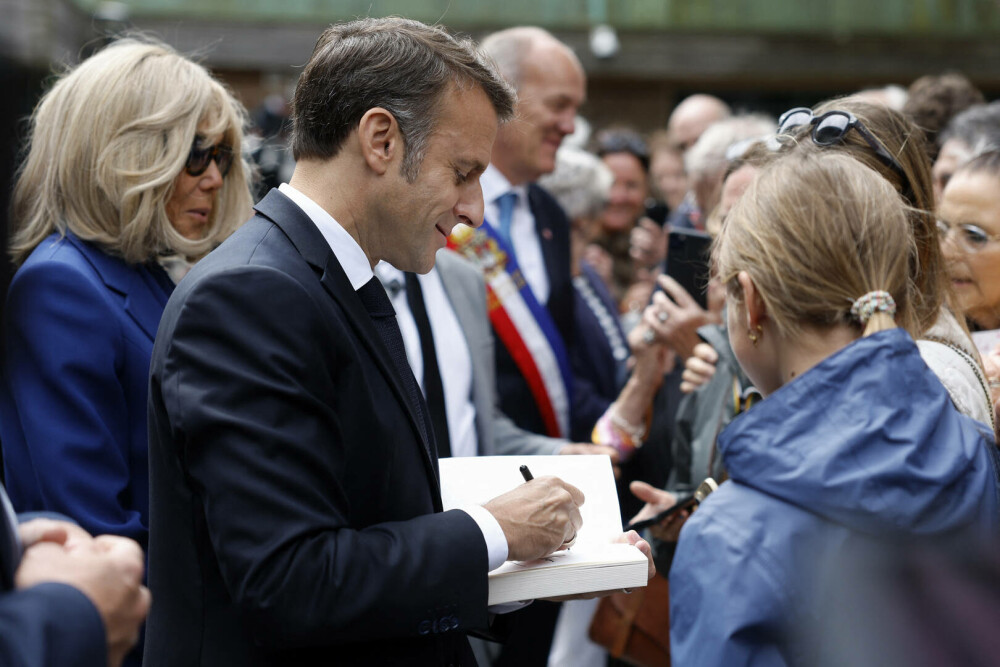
497,434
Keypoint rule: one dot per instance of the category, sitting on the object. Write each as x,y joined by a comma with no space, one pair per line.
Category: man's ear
756,310
380,139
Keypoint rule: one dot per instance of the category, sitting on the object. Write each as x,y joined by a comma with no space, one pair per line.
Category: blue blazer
78,337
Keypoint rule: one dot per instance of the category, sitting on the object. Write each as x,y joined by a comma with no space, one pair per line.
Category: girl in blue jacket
856,441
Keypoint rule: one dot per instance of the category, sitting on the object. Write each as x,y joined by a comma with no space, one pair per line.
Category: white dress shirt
523,234
450,346
355,264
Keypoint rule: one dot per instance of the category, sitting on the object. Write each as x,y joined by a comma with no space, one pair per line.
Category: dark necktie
384,318
433,389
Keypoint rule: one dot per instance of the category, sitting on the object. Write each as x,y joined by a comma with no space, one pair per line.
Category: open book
594,563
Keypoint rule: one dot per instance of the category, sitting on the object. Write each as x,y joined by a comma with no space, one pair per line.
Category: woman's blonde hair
906,142
106,144
816,232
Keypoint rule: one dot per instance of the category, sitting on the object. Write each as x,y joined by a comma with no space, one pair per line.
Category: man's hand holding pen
539,517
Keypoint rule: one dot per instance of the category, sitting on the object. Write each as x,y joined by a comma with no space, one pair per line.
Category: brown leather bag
635,627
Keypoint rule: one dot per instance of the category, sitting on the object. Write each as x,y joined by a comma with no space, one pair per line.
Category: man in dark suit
66,599
551,86
295,509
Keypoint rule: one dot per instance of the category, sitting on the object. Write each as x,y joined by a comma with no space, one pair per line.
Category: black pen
526,474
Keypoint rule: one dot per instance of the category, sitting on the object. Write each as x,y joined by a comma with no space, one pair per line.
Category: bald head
551,86
693,116
513,47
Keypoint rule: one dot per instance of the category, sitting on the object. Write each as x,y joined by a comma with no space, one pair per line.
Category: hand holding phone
689,502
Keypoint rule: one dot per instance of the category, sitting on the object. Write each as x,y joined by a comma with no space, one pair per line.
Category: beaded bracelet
612,430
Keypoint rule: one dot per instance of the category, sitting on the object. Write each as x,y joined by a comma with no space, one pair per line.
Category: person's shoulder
453,266
65,250
749,525
542,203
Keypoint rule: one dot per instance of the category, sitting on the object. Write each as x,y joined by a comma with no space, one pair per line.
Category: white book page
475,480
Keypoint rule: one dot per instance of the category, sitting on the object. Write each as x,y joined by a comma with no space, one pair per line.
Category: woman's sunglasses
831,127
199,158
970,237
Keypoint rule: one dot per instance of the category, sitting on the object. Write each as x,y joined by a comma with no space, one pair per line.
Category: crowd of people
222,404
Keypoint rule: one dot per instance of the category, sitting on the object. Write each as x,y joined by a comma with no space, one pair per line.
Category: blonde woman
816,260
888,143
134,154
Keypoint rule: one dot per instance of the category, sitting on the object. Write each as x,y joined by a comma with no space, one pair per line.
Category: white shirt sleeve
496,541
496,549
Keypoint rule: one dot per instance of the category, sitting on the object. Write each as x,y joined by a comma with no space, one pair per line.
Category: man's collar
347,251
495,184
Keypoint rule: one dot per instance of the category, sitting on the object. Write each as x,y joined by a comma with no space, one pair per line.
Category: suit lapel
144,298
543,226
313,247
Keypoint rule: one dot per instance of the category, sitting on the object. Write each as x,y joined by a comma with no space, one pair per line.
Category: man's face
419,216
552,89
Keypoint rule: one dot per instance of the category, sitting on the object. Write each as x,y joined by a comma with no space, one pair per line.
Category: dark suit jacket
295,509
552,227
49,625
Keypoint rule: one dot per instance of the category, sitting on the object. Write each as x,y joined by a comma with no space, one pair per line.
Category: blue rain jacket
864,446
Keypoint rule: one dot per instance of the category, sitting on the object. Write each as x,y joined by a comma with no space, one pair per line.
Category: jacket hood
869,439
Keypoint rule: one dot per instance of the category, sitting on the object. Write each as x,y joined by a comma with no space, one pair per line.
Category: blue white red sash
524,326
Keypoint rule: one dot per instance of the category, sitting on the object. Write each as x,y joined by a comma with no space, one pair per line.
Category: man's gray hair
402,66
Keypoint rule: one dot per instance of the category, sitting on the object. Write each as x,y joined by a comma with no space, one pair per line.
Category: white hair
708,155
580,182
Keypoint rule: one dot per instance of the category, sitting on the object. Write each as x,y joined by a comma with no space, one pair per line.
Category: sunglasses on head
970,237
831,127
201,157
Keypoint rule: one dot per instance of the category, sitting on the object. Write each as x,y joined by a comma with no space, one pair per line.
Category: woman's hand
647,244
699,367
658,500
674,317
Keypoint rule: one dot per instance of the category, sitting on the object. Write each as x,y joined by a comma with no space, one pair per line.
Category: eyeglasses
199,158
831,127
970,238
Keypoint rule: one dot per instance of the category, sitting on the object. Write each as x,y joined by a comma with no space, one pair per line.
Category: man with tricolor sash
523,250
523,247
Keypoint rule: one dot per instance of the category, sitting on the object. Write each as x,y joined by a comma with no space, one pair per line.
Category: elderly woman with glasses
969,224
133,155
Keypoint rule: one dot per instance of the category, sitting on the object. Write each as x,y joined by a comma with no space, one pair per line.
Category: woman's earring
755,334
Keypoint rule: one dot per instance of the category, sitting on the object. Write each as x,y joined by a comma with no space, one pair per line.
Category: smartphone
685,502
688,253
690,502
